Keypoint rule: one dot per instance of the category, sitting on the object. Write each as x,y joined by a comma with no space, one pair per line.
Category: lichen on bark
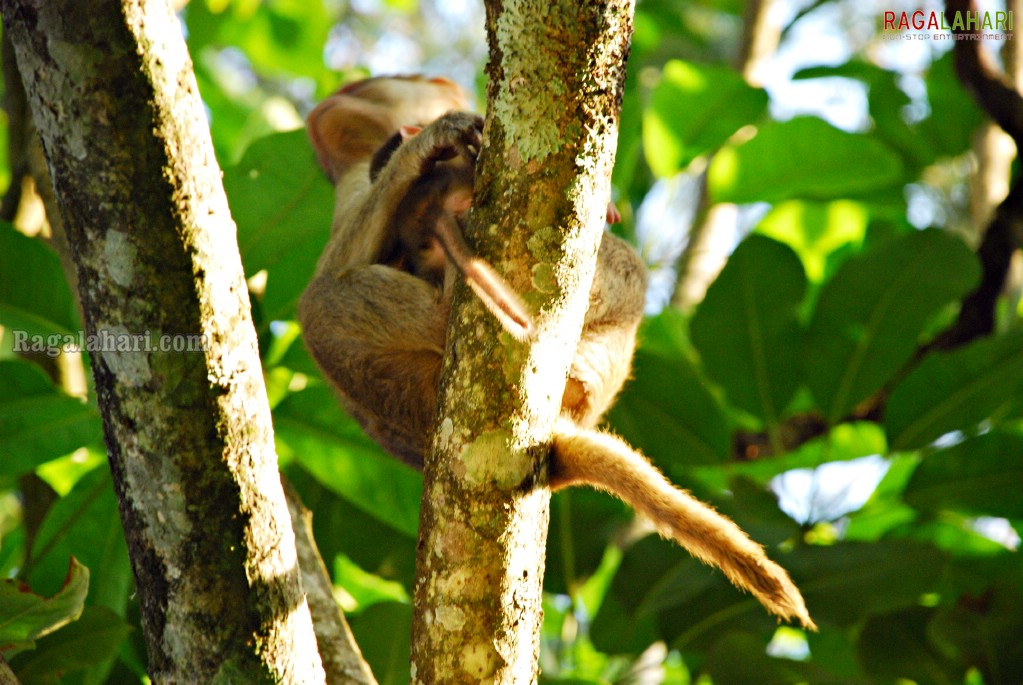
543,182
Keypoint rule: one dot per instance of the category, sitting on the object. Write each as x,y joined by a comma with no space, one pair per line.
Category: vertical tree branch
555,83
342,659
1004,234
191,448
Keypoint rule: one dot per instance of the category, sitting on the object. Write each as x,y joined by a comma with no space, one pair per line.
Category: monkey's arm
378,334
605,462
365,212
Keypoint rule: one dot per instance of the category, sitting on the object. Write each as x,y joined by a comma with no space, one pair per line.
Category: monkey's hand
454,134
368,203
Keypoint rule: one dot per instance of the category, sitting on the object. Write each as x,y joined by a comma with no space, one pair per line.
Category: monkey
375,322
428,234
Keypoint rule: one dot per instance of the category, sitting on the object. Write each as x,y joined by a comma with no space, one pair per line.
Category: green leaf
871,314
662,593
34,295
887,103
896,646
666,411
39,423
802,158
983,627
693,110
815,230
282,204
26,616
341,528
844,442
382,633
90,641
955,116
972,477
747,329
583,523
955,390
85,524
279,37
846,582
364,588
312,428
742,659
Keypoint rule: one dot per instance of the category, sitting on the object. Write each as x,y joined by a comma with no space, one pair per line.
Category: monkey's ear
345,130
408,131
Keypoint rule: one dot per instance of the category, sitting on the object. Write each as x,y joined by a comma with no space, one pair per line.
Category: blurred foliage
808,352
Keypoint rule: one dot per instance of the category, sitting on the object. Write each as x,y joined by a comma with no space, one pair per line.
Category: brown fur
378,331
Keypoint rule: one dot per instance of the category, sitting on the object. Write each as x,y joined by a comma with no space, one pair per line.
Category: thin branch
342,659
1003,103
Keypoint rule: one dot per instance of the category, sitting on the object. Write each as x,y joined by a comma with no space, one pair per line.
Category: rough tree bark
191,448
556,73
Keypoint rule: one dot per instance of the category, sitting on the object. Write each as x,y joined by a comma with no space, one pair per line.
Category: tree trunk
191,447
555,84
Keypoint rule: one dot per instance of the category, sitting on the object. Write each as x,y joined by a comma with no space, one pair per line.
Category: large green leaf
816,230
282,205
341,528
886,104
747,329
666,411
26,616
583,523
847,582
34,297
662,593
382,633
85,524
88,642
983,627
742,659
955,116
693,110
803,158
955,390
871,315
897,646
37,421
312,428
279,37
975,476
844,442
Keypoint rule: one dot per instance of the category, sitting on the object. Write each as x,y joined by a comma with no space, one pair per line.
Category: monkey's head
350,126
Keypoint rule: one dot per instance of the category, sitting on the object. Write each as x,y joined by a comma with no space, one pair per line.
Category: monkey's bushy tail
606,462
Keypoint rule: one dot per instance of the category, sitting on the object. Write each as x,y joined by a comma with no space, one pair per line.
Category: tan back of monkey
378,331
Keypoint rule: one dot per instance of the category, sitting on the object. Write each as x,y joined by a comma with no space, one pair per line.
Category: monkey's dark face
446,189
